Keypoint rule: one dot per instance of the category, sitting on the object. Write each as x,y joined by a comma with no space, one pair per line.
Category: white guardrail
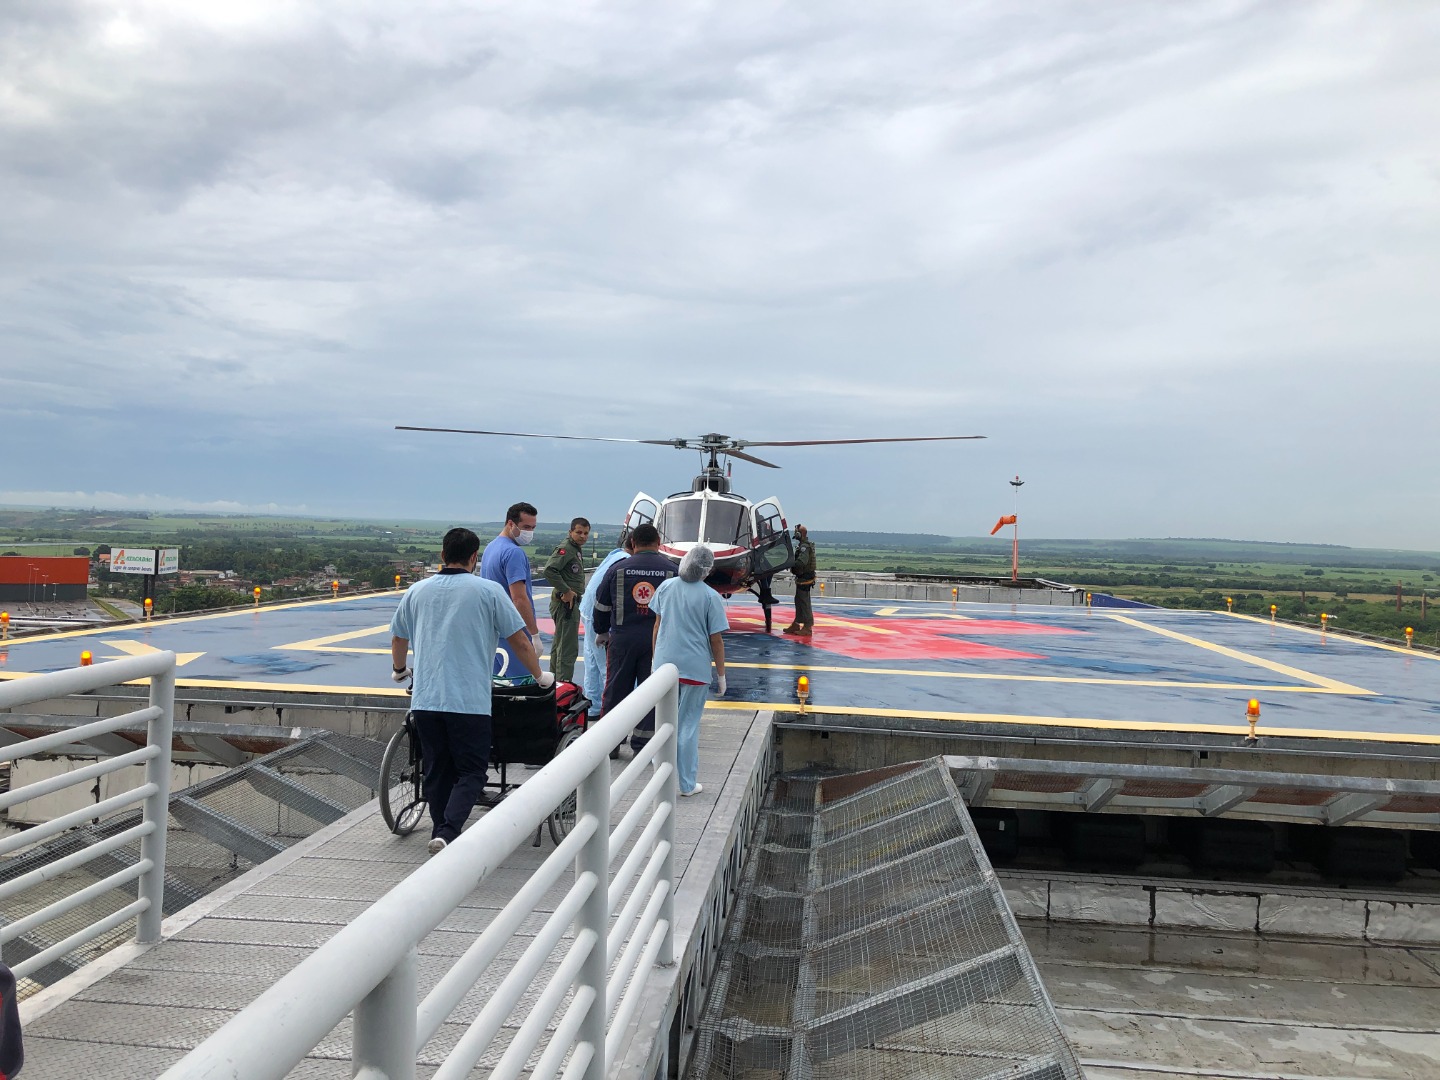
371,966
149,871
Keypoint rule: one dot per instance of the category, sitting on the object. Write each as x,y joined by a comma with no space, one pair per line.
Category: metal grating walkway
872,939
228,824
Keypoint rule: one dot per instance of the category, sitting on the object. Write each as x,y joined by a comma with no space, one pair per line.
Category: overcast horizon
1177,262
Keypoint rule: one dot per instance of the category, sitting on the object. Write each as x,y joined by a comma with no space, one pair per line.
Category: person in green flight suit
566,574
804,570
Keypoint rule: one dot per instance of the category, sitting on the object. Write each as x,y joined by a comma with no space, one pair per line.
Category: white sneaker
693,791
436,846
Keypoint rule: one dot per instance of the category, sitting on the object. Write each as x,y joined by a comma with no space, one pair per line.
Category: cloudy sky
1178,261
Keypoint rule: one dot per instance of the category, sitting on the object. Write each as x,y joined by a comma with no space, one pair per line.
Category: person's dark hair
513,514
645,535
459,544
579,521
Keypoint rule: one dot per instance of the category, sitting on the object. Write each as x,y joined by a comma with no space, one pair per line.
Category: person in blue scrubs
689,626
505,563
595,657
455,620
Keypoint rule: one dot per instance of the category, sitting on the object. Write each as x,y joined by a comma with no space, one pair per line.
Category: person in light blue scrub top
595,658
689,626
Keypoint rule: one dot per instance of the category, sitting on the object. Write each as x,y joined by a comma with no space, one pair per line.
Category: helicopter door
770,550
643,510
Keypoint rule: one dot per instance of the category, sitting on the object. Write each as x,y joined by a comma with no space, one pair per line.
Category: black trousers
455,750
627,662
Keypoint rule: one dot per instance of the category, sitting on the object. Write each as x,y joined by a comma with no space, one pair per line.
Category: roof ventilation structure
872,941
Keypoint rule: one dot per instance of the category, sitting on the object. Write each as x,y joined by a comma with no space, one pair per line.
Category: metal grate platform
872,939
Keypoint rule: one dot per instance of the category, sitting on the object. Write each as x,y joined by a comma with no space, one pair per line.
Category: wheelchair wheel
563,819
402,803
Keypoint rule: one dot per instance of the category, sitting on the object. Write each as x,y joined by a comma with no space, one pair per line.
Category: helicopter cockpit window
722,523
679,521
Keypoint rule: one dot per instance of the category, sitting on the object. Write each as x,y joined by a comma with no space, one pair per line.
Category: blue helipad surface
1143,670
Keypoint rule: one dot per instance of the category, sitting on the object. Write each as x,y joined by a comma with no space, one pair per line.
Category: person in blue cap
689,626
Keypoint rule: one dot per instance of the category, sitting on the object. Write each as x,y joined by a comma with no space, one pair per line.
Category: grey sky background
1178,261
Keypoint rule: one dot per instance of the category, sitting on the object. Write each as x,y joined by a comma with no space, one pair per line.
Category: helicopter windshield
679,521
724,522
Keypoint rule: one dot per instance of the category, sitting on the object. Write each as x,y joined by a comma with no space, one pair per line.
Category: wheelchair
529,727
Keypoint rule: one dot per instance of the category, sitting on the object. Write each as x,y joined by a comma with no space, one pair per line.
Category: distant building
31,579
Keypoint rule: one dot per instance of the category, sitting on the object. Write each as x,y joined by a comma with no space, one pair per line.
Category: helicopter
751,540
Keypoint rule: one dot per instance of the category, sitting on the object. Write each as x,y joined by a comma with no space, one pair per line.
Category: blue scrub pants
594,667
455,750
687,746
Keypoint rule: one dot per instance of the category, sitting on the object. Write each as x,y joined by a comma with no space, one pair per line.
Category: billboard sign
132,560
169,561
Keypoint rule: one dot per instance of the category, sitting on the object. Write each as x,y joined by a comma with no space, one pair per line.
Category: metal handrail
370,967
149,870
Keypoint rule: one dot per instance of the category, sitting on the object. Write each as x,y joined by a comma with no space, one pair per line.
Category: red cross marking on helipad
869,638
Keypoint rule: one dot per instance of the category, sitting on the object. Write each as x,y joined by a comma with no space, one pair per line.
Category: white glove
546,680
401,676
722,685
602,641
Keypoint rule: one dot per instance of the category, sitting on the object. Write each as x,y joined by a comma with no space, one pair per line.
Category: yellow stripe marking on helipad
990,676
1334,685
1239,730
331,639
1404,650
140,648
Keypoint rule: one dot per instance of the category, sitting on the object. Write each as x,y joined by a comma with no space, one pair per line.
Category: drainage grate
872,941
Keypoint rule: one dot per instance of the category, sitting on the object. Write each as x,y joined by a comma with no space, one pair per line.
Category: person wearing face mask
505,563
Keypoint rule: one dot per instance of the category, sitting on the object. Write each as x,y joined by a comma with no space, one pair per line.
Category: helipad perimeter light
802,691
1272,613
1409,637
397,581
257,595
4,625
1252,713
86,659
1229,600
335,588
149,607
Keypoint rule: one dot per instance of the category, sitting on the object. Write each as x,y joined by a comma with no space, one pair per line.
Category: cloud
114,500
269,232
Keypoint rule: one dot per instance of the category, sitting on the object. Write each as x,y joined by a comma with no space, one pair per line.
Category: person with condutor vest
625,624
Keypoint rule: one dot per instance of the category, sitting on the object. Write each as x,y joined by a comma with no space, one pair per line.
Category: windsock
1008,519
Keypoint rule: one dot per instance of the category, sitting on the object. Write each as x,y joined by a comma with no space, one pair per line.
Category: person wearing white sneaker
456,620
689,626
699,787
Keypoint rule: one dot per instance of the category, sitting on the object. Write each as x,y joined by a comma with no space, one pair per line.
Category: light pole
1017,484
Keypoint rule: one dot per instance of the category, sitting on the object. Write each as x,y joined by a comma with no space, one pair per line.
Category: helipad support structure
1067,685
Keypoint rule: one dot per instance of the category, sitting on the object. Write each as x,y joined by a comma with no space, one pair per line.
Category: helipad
1146,670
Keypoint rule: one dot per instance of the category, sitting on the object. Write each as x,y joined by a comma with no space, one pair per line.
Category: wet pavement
1140,669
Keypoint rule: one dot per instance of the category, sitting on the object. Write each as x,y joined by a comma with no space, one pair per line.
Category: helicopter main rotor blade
848,442
749,457
535,435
